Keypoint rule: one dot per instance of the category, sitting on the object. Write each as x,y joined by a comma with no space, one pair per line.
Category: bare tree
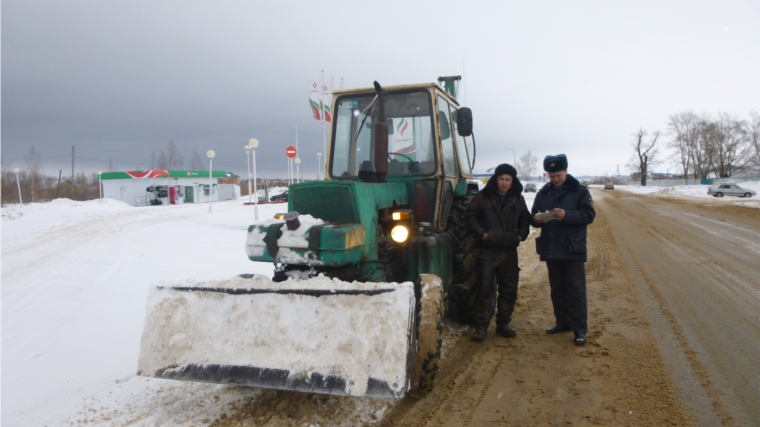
163,161
702,145
174,158
111,167
645,153
153,161
80,179
730,147
527,165
754,139
684,128
33,166
195,163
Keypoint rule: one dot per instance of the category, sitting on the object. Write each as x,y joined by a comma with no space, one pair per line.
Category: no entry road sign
290,151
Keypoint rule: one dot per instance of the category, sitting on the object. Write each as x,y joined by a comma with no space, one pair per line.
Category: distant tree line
701,144
37,187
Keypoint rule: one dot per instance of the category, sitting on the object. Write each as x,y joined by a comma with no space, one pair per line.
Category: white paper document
546,216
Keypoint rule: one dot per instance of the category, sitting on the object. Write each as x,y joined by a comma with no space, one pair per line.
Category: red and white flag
327,96
320,100
314,101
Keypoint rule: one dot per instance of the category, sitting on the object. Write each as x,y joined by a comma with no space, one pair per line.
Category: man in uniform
562,209
499,219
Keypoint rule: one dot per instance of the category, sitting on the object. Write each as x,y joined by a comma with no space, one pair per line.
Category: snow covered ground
75,281
693,192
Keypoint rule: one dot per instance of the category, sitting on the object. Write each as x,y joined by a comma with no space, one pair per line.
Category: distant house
163,187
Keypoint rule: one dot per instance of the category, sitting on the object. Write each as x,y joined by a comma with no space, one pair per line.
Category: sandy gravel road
696,267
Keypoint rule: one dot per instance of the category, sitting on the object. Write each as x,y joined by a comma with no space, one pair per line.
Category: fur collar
571,184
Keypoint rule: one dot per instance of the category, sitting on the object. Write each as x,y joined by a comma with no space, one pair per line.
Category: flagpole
298,149
322,106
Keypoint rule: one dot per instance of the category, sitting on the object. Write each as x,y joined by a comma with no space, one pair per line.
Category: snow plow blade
318,335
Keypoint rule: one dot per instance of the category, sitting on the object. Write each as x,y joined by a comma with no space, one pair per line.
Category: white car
720,190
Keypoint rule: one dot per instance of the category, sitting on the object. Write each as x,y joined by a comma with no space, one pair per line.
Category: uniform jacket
563,240
503,226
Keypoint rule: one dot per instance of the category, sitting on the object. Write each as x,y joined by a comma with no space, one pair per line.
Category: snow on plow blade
317,335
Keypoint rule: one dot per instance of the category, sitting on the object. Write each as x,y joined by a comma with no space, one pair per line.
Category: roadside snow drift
319,334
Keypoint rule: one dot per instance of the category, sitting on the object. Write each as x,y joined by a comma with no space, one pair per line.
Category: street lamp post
247,149
210,155
21,202
254,143
319,162
100,187
298,169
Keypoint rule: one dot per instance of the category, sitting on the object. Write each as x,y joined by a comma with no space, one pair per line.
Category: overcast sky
119,80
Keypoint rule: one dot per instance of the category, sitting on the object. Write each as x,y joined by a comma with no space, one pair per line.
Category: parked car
720,190
530,187
609,186
282,197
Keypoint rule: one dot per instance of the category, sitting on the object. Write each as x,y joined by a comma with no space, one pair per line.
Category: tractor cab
428,145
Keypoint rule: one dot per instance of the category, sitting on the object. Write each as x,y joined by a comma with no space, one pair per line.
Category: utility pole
72,164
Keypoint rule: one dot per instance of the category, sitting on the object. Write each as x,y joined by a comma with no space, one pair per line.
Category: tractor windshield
410,134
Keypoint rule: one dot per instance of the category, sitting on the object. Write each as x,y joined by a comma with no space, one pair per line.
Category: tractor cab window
447,138
411,148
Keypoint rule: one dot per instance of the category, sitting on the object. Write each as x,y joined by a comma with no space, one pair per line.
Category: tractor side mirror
464,121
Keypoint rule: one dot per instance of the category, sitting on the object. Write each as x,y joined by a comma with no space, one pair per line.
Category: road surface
674,338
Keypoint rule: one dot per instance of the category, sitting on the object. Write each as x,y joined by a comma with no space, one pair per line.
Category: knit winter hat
505,169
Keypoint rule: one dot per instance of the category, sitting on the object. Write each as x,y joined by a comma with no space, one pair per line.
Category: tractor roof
395,88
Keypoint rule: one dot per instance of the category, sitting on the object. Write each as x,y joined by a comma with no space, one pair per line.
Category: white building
163,187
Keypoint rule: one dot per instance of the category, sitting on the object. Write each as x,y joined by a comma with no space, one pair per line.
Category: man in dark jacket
499,219
567,209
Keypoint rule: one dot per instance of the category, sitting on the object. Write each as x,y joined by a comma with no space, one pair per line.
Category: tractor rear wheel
465,263
429,330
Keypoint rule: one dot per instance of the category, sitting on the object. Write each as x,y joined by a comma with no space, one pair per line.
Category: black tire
429,331
464,263
747,195
718,194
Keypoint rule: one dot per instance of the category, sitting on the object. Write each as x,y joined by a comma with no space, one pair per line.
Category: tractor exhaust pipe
381,137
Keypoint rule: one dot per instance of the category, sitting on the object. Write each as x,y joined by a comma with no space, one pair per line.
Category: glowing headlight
400,233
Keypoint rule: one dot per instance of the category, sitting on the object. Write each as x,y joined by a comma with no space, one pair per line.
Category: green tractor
365,263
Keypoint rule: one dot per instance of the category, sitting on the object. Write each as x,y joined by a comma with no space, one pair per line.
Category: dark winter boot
503,329
480,333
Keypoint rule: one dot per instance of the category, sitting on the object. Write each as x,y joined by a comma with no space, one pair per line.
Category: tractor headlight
400,233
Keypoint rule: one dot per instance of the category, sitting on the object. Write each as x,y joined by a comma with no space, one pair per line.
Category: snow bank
356,337
694,192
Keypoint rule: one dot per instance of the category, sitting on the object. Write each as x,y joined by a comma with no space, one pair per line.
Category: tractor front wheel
464,265
429,329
